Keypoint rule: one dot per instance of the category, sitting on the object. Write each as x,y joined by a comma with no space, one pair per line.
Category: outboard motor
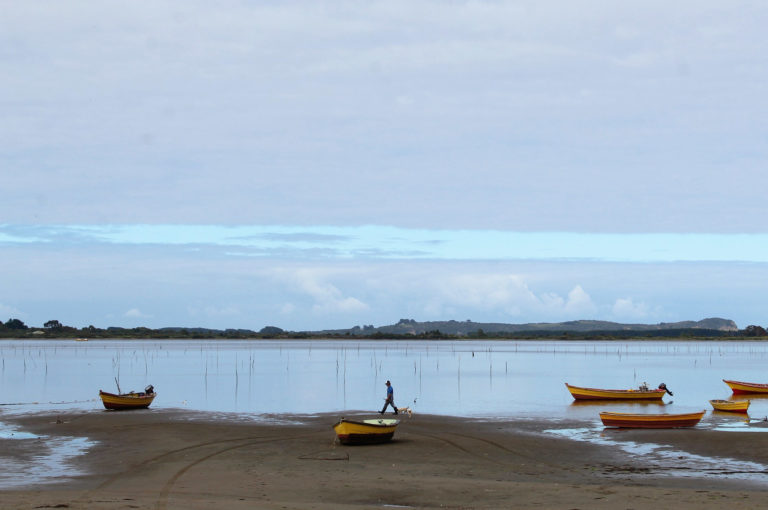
151,389
663,386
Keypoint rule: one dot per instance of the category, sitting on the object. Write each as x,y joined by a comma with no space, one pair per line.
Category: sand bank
163,459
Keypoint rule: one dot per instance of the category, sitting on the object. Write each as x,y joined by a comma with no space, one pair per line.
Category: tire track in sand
162,500
90,494
535,460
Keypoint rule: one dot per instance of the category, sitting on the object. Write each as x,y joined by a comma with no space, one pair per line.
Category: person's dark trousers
388,403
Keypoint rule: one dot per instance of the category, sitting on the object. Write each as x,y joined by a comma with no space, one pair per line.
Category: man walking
390,400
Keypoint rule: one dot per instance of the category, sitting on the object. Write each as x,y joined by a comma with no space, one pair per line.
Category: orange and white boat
740,387
732,406
642,393
651,421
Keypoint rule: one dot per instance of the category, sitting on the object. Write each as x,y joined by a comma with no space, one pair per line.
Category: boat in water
732,406
742,388
642,393
374,431
650,421
131,400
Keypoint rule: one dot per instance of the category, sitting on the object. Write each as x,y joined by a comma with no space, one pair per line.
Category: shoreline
173,458
446,338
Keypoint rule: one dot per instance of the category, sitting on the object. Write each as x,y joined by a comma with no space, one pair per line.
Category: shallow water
670,461
522,379
498,380
50,463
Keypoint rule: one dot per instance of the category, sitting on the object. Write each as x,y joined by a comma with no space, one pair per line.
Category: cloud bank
325,163
523,116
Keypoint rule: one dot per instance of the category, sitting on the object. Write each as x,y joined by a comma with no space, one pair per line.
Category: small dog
405,410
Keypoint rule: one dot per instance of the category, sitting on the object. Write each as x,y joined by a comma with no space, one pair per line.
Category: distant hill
408,328
412,327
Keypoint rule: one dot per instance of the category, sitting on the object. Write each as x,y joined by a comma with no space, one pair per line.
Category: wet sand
168,459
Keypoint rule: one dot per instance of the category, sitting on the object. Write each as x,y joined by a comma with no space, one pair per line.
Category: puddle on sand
671,461
50,464
743,426
8,432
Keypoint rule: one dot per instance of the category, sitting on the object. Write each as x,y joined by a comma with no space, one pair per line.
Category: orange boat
650,421
741,388
732,406
130,400
642,393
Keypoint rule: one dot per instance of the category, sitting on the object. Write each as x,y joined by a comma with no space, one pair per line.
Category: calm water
487,379
502,379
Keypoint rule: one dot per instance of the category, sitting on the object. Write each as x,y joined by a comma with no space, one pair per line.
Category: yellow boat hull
579,393
731,406
126,400
650,421
365,431
743,388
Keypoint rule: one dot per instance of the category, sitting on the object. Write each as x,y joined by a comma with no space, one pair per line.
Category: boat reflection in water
650,421
623,404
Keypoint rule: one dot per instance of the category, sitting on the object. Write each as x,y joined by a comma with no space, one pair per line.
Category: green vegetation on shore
409,329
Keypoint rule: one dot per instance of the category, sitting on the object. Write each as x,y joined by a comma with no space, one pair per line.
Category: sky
318,165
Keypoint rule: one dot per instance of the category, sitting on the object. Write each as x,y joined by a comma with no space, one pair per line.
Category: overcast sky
316,165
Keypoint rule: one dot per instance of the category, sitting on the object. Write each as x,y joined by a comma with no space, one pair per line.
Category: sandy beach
163,459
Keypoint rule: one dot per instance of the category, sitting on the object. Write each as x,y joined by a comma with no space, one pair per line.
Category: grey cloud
508,115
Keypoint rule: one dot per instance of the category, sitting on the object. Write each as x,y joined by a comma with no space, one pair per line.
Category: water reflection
521,379
751,396
623,404
731,415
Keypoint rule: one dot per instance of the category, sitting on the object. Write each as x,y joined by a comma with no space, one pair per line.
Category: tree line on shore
15,328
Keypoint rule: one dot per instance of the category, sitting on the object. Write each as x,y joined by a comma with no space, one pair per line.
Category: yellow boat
132,400
375,431
743,388
642,393
733,406
650,421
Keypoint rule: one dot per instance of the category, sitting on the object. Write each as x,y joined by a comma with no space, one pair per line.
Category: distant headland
410,329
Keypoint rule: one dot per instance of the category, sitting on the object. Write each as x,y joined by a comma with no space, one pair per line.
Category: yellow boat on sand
374,431
650,421
642,393
132,400
732,406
